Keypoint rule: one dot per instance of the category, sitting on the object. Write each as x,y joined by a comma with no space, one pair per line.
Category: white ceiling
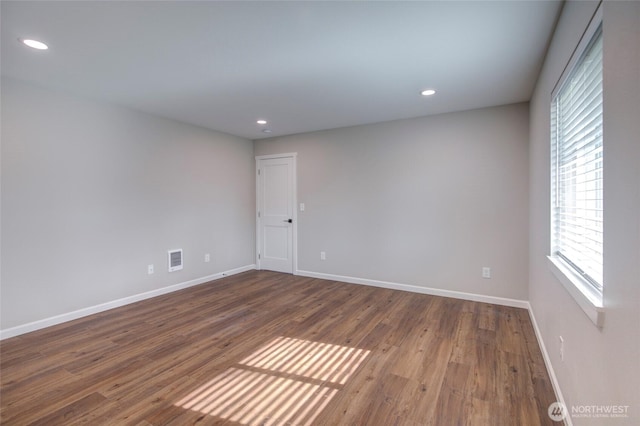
303,66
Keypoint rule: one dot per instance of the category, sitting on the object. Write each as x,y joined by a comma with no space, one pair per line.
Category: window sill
590,302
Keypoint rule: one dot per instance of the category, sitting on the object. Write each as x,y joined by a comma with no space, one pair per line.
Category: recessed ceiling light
34,44
261,121
428,92
266,131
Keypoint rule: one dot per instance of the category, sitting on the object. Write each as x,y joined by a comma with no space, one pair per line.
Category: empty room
320,213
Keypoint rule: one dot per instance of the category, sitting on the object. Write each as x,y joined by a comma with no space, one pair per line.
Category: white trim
295,213
294,249
257,213
58,319
581,292
595,22
272,156
515,303
547,363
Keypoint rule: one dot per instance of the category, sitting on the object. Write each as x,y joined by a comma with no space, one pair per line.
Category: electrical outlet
301,207
323,255
207,257
486,272
561,348
149,269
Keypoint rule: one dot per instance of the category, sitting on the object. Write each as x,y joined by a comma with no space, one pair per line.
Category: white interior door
275,205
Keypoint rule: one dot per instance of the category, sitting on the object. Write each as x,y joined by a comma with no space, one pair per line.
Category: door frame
294,157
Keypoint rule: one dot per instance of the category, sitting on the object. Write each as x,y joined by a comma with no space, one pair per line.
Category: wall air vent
175,260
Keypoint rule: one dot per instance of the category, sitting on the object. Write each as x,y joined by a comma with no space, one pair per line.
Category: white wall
601,367
425,202
93,193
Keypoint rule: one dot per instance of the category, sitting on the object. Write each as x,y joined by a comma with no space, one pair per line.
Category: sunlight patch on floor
315,360
286,381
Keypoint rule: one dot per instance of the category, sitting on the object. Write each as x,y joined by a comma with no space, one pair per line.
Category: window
576,168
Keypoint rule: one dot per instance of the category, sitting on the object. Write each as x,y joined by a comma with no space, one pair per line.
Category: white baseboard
58,319
515,303
547,363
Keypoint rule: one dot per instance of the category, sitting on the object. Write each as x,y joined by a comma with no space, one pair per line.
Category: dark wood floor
267,348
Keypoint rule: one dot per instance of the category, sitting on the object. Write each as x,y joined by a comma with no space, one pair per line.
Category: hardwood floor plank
64,414
269,348
453,405
346,407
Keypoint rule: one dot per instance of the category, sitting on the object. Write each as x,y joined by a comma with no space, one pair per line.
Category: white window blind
576,168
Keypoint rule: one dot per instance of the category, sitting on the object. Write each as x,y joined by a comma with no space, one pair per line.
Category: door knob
288,220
